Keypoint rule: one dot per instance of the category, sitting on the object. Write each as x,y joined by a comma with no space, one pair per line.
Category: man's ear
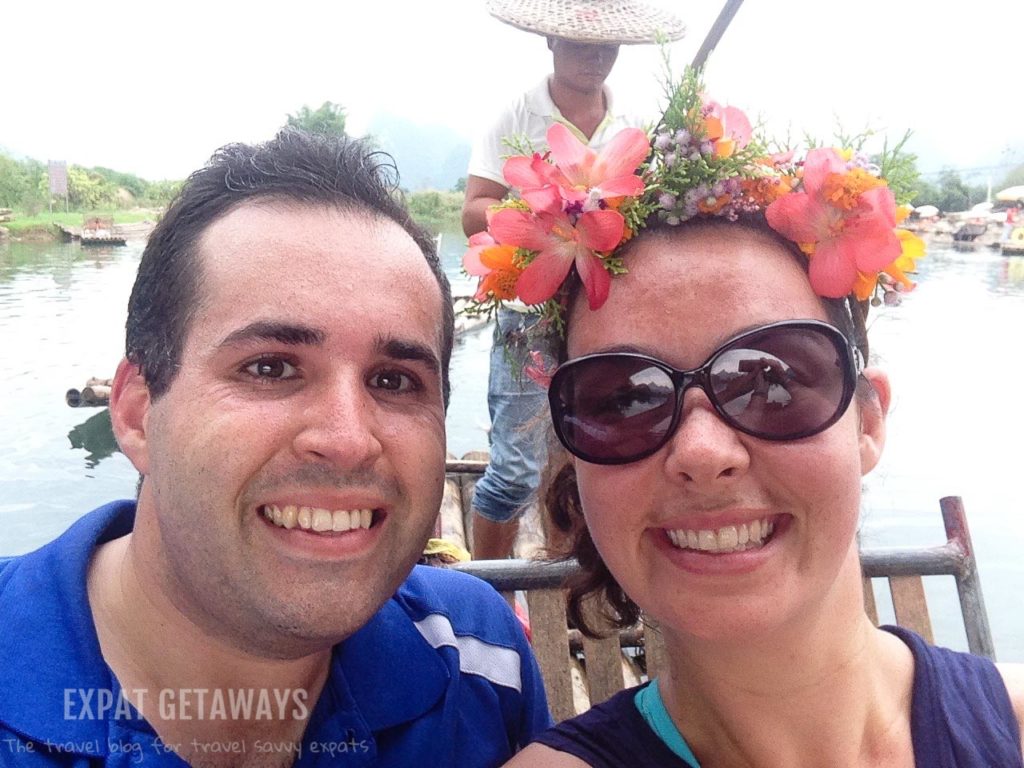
872,420
129,413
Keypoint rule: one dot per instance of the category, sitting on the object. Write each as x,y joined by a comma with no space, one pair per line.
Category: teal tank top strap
651,707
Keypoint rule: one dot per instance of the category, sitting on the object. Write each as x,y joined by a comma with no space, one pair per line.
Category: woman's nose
704,449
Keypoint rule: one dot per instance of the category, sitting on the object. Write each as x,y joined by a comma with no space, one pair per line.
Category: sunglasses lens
782,383
612,409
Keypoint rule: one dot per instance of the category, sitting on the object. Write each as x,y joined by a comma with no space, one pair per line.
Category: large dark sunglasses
782,381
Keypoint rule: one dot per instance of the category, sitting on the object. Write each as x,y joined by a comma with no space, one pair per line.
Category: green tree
160,193
460,185
22,185
328,120
1014,178
951,193
89,191
899,169
138,187
14,182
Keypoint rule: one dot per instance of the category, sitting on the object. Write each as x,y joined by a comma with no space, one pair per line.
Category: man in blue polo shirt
283,397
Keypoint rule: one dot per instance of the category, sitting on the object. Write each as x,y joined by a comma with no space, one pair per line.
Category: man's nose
340,424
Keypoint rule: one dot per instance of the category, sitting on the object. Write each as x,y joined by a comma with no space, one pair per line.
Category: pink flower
534,177
842,219
727,127
607,173
560,244
580,178
539,369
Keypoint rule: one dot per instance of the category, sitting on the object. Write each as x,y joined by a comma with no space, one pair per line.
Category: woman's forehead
703,281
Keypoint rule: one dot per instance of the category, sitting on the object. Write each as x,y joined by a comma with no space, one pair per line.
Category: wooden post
968,583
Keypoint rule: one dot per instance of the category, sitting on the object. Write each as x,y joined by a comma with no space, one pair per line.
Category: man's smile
318,519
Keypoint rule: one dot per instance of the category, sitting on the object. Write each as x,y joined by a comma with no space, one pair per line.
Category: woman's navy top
961,717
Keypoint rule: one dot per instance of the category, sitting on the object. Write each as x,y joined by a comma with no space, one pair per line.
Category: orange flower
767,189
843,190
912,249
864,285
847,241
713,205
727,127
495,265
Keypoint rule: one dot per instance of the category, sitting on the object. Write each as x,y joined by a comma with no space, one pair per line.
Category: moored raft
96,392
1015,245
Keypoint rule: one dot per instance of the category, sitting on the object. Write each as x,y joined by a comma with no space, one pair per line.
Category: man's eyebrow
283,333
409,350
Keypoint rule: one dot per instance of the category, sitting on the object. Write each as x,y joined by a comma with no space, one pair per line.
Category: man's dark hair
346,174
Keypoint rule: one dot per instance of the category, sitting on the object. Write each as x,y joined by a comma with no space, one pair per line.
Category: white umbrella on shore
1011,194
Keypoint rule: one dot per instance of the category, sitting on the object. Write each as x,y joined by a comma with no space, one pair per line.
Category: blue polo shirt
442,675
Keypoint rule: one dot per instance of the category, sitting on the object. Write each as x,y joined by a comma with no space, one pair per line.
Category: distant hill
977,165
428,156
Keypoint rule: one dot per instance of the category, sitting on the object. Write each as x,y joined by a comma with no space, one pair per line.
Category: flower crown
577,207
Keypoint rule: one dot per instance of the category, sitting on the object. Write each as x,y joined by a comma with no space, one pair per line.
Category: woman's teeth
729,538
317,519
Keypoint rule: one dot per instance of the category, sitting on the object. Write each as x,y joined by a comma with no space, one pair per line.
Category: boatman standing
584,38
283,397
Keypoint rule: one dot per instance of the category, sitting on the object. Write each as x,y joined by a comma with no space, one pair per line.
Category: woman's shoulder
612,734
592,738
963,706
541,756
1013,679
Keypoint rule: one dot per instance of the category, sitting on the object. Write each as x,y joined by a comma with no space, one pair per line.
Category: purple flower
575,208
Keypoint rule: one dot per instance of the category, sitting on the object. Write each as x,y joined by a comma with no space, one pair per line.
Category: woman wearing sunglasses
718,422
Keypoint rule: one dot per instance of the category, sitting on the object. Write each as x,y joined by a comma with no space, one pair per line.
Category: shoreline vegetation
434,210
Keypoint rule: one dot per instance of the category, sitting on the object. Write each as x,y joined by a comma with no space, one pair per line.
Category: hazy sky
153,88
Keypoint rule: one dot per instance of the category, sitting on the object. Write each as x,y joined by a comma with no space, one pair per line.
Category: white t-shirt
530,116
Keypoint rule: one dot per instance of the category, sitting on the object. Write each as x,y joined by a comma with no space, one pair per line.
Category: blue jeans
519,420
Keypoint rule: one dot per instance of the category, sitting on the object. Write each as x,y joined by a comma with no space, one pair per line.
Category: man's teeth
729,538
318,519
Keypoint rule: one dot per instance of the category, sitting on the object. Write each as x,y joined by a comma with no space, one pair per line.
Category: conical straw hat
590,21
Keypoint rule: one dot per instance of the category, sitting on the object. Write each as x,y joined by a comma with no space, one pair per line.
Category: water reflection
1013,271
57,260
95,435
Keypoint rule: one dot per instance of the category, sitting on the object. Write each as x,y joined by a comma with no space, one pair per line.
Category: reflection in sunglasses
765,378
642,391
784,381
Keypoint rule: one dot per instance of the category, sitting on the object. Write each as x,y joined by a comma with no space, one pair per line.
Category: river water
951,351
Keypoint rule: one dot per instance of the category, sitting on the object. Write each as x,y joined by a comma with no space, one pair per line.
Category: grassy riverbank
436,211
40,226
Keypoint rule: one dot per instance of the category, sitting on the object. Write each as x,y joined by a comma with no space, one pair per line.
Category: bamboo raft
96,392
